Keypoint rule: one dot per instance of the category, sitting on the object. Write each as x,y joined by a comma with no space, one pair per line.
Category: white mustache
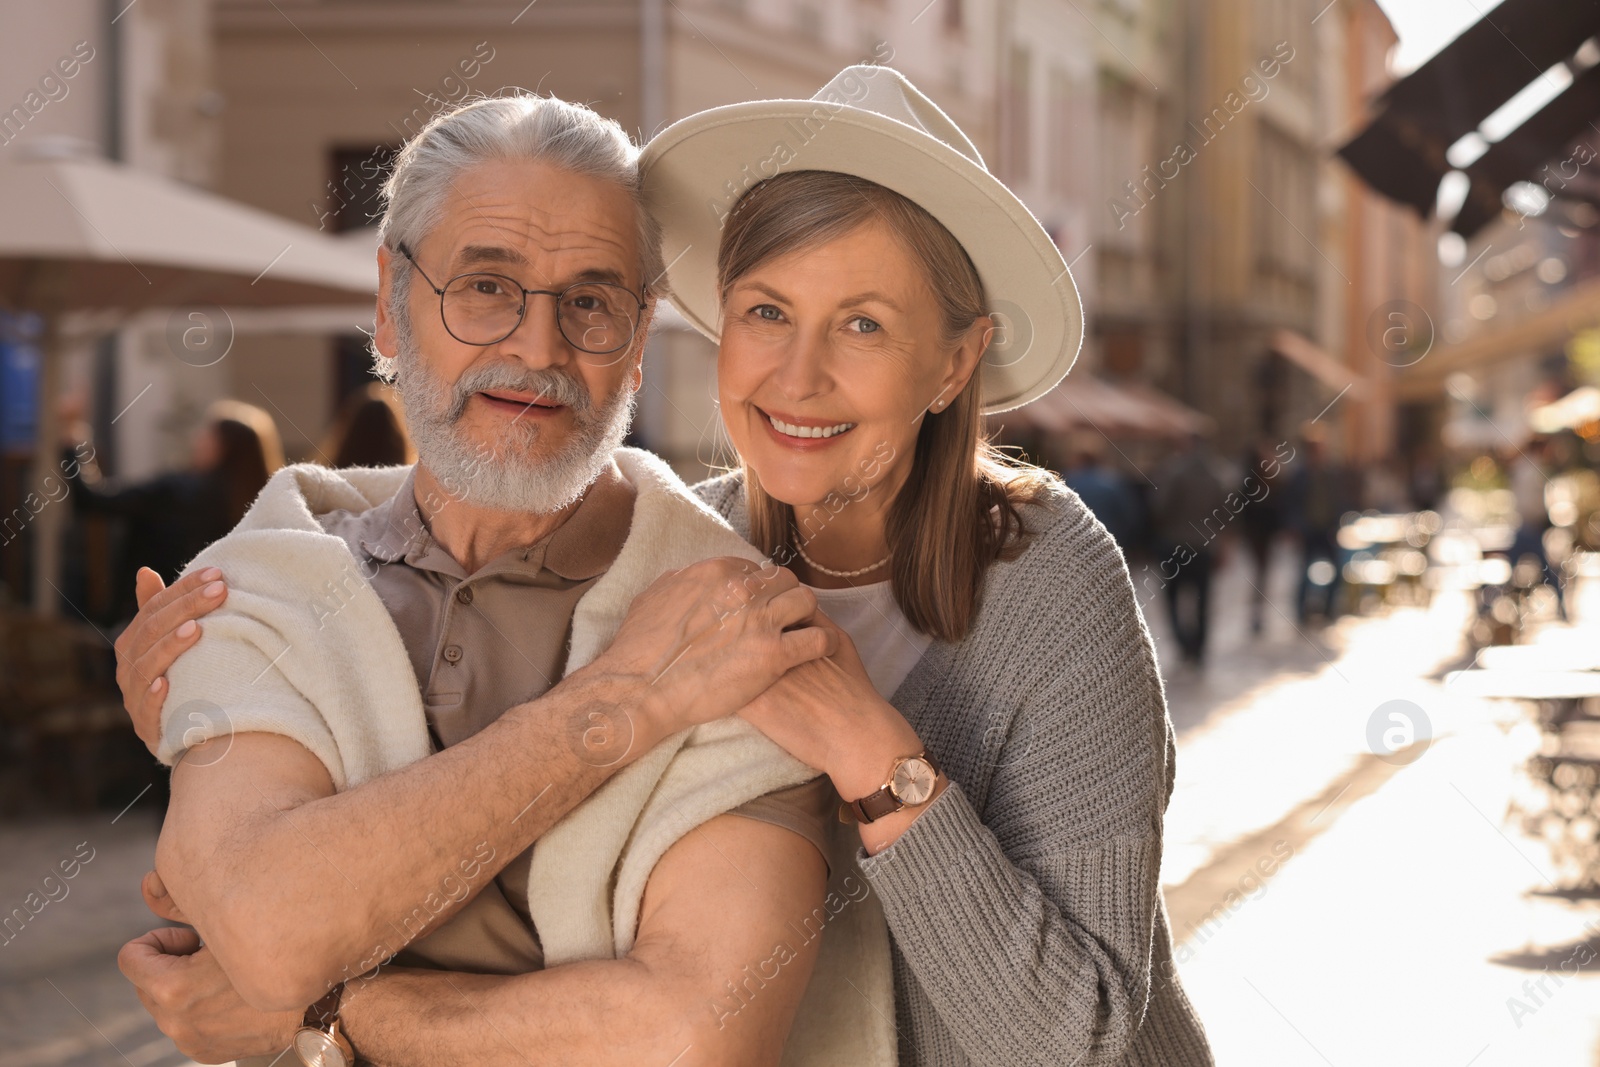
551,385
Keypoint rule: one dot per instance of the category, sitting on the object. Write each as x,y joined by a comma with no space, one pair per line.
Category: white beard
516,474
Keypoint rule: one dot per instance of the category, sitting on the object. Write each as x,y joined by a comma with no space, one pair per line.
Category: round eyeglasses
596,318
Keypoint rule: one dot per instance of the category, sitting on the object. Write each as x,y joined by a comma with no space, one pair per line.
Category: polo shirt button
452,653
464,594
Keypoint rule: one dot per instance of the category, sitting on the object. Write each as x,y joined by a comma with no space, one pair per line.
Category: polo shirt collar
582,547
390,531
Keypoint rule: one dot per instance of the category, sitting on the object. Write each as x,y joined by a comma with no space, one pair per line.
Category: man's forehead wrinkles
529,242
546,255
515,227
529,214
557,231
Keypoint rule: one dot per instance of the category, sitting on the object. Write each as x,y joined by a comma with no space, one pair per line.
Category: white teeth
790,430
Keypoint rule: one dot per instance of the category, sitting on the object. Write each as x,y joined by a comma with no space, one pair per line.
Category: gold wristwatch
320,1042
911,782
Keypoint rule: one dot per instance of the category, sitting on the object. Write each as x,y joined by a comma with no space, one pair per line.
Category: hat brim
694,172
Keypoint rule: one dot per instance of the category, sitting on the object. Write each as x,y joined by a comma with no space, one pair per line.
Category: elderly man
315,831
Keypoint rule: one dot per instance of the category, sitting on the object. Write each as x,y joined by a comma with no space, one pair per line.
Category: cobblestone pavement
63,1003
1335,909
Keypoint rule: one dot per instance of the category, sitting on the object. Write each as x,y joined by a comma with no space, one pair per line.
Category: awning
1317,362
128,239
1121,411
1547,135
1401,151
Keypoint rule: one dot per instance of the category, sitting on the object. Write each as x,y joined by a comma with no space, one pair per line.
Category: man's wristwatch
320,1042
911,782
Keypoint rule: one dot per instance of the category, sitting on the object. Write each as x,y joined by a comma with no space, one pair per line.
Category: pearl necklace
820,569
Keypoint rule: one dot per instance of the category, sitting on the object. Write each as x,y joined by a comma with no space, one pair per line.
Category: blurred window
1121,163
356,175
1016,165
1070,137
1285,223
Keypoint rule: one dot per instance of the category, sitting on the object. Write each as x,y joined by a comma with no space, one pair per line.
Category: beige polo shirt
483,643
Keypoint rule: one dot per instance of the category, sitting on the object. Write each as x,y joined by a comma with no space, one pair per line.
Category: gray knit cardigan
1024,904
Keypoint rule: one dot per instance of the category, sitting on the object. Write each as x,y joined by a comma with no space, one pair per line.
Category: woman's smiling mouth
809,430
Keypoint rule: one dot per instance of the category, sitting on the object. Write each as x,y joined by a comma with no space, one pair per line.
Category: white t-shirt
889,645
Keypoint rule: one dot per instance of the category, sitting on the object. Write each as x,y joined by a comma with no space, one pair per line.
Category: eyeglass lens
595,317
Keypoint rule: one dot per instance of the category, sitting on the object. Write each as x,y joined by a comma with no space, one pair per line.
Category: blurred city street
1301,298
1411,909
62,999
1403,915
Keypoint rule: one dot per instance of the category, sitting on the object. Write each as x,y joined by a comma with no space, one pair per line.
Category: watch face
317,1049
913,781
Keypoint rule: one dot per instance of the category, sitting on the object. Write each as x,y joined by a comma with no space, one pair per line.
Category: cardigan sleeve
231,683
1029,925
304,648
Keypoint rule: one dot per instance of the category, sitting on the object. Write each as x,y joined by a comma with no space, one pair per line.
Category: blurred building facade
1176,150
1518,324
310,128
1493,138
142,93
1240,264
1230,261
1381,276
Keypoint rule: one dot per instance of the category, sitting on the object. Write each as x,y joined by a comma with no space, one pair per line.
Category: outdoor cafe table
1568,762
1541,685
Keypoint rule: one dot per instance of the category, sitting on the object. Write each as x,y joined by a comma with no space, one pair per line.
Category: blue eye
865,325
761,311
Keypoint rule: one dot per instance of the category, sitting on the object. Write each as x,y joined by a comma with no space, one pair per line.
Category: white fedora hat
870,122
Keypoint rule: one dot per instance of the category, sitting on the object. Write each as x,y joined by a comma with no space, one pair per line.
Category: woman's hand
820,710
827,714
194,1003
164,629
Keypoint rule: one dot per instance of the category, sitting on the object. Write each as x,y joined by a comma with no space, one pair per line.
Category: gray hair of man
521,127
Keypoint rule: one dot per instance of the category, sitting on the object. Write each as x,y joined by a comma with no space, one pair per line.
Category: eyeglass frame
522,315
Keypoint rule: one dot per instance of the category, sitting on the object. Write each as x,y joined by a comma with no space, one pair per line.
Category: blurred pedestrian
1103,490
1526,470
369,431
169,518
1385,487
1427,478
1262,518
1187,516
1317,496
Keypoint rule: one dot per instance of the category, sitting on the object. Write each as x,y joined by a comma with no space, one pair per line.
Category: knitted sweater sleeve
1029,923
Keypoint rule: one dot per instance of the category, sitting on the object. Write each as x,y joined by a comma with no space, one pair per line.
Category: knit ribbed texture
1024,903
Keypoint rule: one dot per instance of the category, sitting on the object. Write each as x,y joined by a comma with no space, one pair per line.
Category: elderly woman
993,719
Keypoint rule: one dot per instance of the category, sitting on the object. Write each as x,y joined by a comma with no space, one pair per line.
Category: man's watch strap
325,1012
320,1041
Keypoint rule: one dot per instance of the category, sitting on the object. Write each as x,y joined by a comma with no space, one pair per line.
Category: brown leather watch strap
876,805
325,1012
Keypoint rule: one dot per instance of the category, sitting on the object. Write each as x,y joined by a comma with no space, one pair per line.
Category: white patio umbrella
78,233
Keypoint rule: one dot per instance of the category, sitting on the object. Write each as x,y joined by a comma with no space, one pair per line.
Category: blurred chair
57,706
